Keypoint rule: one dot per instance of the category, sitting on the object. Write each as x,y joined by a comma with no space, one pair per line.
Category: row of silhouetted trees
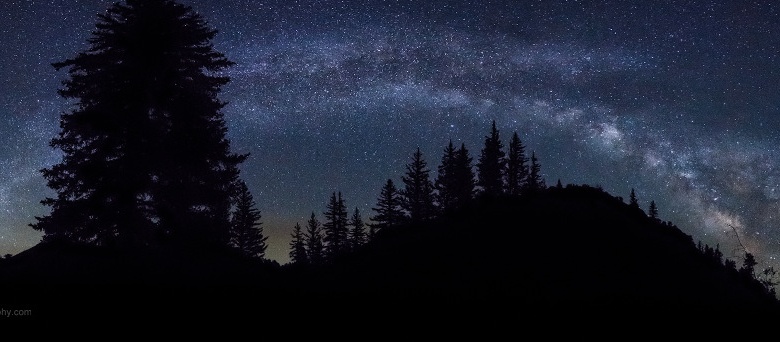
421,198
322,241
765,279
146,161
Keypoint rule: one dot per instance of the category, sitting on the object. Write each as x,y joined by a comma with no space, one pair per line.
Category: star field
679,101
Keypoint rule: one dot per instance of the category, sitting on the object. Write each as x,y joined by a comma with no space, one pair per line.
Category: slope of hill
572,250
577,249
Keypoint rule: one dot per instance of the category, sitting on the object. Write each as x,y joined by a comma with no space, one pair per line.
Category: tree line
421,197
146,161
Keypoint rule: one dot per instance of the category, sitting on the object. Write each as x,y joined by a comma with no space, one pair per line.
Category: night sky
677,99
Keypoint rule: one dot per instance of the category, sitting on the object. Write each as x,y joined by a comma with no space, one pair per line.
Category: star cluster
678,100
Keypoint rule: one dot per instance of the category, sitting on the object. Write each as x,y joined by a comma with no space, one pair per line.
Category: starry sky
677,99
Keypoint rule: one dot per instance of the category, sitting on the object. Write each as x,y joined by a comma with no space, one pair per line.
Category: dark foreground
563,255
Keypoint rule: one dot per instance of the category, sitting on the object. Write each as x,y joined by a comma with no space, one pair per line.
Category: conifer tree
246,233
357,232
491,165
463,172
632,201
388,209
298,246
446,180
653,210
718,254
417,195
335,226
315,249
144,150
534,181
730,264
749,263
516,168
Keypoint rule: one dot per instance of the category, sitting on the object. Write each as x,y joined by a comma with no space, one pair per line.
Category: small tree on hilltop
653,210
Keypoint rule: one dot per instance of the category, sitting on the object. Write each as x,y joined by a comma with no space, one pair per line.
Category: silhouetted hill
568,250
571,252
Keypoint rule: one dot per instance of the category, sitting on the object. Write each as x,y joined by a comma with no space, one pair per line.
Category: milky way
679,101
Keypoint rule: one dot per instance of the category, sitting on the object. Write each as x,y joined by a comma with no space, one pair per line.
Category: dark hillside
577,248
569,250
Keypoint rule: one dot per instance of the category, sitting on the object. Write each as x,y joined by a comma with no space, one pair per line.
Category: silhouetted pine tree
534,181
491,165
446,180
516,168
315,249
388,209
417,195
714,254
632,201
730,264
357,232
298,246
335,226
748,268
718,254
653,210
144,150
709,252
246,231
463,172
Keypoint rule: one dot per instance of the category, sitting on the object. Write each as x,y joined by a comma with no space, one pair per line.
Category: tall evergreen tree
463,172
632,201
335,226
516,168
417,195
357,231
446,180
534,181
315,249
246,233
298,246
388,209
653,210
144,150
491,165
